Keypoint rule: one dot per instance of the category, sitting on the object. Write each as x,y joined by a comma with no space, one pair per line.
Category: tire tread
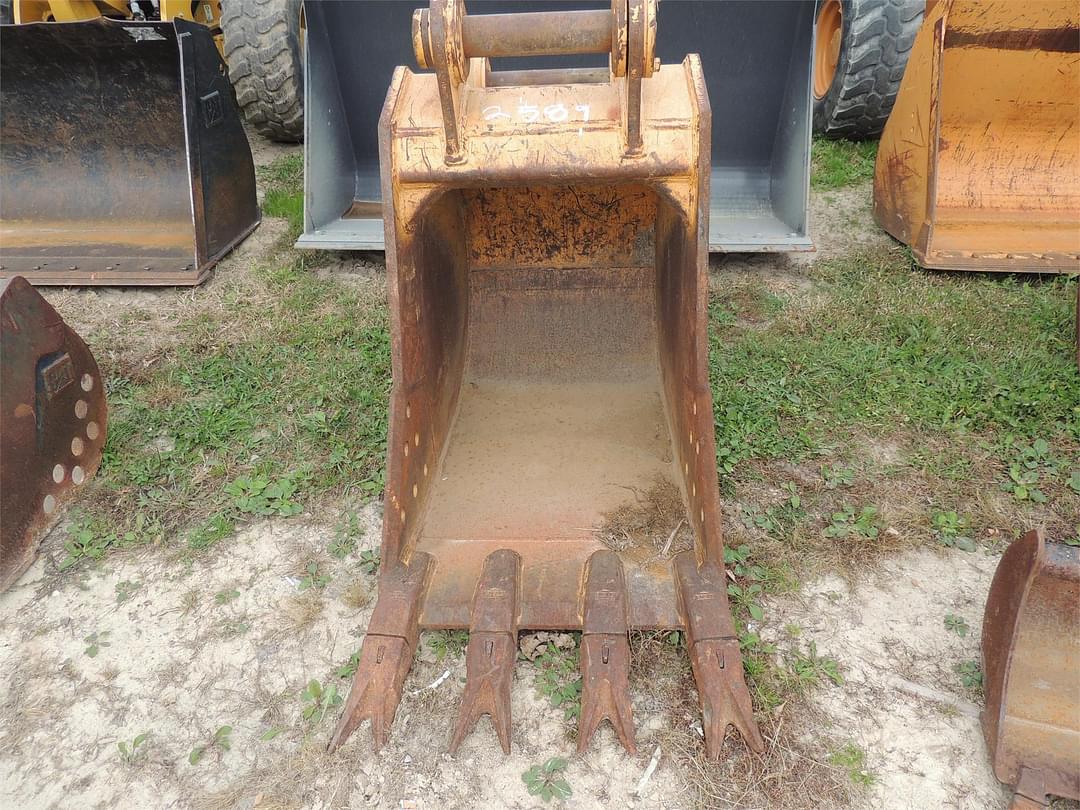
262,50
877,43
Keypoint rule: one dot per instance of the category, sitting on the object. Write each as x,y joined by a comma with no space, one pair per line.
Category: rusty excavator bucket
979,165
1031,670
52,421
122,154
546,236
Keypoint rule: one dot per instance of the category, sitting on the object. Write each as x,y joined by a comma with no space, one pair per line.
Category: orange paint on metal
828,34
56,237
548,289
979,164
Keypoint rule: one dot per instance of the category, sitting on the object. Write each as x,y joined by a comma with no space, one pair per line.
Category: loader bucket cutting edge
548,328
979,165
1031,657
122,154
52,422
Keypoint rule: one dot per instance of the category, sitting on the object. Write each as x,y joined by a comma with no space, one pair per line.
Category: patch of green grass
852,758
547,781
810,668
313,578
971,675
559,679
370,559
836,476
226,595
347,532
348,669
261,496
126,590
952,530
90,537
957,624
447,643
284,181
849,522
317,700
838,163
130,752
291,408
94,643
220,741
889,346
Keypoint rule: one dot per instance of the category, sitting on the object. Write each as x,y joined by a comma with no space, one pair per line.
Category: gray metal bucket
756,57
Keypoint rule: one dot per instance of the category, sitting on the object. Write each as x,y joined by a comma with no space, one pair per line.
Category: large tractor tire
262,49
860,52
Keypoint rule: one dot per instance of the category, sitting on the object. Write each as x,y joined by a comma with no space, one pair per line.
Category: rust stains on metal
1031,658
52,422
124,160
547,294
605,653
1063,39
979,165
387,652
714,653
492,650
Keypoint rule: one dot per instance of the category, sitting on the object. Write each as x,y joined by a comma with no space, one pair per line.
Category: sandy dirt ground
182,648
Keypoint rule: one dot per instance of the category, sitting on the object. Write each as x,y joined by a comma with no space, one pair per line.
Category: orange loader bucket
546,237
979,164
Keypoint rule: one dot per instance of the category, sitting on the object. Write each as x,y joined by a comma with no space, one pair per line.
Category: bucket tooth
605,653
376,690
1031,792
387,653
714,653
489,658
725,701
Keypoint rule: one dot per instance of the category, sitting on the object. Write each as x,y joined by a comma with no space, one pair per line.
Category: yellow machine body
205,12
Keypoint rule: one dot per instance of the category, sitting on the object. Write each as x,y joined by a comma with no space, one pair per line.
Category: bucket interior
92,147
1008,161
546,341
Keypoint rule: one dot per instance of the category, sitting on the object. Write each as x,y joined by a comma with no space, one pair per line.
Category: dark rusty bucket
546,239
122,154
52,422
1031,669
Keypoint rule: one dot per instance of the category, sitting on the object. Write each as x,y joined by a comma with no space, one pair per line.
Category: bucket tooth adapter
546,236
979,165
52,422
1031,661
122,154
